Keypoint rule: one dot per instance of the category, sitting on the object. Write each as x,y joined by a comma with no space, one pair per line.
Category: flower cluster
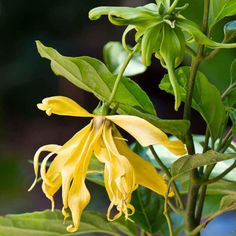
123,169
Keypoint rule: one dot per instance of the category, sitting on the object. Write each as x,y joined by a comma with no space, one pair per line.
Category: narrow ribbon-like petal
63,106
47,148
79,196
146,133
146,174
119,176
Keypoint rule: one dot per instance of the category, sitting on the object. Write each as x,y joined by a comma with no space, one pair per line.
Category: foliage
160,30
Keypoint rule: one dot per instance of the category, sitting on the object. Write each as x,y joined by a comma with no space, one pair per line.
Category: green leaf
95,171
211,204
114,56
230,30
125,226
142,17
206,98
48,223
177,128
187,163
228,201
220,9
149,210
93,76
193,29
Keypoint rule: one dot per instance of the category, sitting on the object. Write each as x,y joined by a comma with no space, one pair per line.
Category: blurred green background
25,79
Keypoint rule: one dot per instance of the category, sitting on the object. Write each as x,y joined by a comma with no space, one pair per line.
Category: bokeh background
25,79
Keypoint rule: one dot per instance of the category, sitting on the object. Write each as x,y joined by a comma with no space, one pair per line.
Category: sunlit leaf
187,163
93,76
48,223
220,9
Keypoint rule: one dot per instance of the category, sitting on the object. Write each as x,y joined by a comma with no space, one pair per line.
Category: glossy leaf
114,56
230,30
220,9
149,210
48,223
187,163
93,76
206,98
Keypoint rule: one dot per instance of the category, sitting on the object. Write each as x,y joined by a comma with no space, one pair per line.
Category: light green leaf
114,56
220,9
93,76
193,29
187,163
230,30
206,98
149,210
142,17
48,223
228,201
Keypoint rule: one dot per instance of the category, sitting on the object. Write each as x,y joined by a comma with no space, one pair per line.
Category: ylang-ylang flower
123,169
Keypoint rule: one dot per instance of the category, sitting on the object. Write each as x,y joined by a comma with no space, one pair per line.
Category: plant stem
167,172
173,6
228,90
220,176
119,76
190,219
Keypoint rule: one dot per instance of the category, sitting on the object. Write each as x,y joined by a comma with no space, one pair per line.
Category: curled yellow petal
79,196
64,106
146,133
47,148
146,174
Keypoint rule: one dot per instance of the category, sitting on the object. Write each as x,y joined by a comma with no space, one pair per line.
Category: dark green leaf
125,226
48,223
206,98
230,30
230,99
93,76
220,9
211,204
149,210
114,56
187,163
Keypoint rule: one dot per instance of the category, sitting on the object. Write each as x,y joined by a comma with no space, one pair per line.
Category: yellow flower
124,170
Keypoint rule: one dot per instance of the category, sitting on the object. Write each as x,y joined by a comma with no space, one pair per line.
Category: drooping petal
119,176
63,106
146,133
146,174
79,196
52,148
